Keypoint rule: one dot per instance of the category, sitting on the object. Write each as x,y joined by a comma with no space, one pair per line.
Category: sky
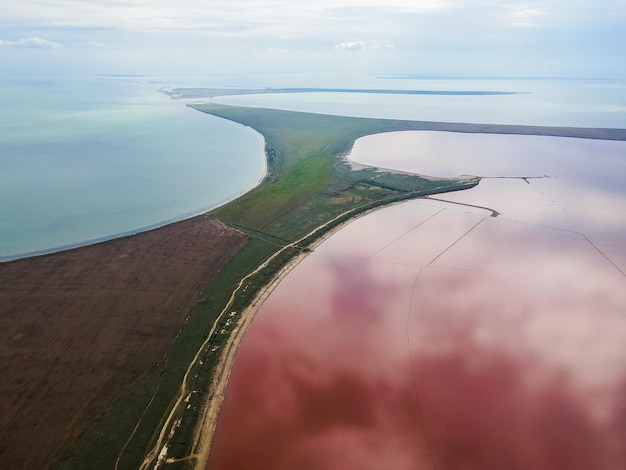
427,38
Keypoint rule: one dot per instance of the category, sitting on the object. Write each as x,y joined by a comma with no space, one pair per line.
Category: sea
86,159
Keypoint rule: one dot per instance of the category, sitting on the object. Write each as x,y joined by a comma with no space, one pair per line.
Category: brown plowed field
78,328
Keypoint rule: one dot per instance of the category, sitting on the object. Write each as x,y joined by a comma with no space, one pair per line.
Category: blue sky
580,38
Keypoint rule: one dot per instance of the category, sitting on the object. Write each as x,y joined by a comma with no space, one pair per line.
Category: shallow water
576,184
577,103
87,158
84,159
440,338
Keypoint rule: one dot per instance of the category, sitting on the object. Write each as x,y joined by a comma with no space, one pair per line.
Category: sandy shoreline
205,430
135,231
215,395
203,437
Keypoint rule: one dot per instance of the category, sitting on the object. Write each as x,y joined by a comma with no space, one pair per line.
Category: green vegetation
307,183
307,186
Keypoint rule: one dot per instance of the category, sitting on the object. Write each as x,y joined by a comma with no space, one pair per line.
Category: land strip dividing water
306,186
307,192
187,93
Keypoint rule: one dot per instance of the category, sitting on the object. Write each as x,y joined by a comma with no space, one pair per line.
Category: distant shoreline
190,93
600,133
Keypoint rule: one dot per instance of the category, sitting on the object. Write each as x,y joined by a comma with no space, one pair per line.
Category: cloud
443,36
351,46
361,46
260,17
33,42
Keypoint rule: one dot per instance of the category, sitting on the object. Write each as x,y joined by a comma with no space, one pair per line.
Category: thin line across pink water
430,336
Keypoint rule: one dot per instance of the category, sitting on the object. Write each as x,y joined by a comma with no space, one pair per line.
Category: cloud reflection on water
584,192
498,357
431,336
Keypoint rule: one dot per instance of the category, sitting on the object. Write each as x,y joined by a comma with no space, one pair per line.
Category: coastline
112,237
121,216
78,329
203,437
400,125
254,204
215,395
205,431
136,231
270,434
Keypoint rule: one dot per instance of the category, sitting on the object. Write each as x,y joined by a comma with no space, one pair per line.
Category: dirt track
209,417
78,328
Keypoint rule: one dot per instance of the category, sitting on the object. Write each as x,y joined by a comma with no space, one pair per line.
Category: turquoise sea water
88,159
84,159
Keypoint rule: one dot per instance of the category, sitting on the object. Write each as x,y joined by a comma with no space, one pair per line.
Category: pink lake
430,335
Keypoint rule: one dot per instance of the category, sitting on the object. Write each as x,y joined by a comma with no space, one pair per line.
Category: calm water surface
95,157
84,159
577,103
581,185
442,337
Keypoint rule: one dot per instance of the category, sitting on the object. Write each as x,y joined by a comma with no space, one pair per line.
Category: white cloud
95,44
492,36
33,42
351,46
141,15
250,19
361,46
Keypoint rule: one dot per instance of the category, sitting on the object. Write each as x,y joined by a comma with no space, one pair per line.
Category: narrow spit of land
308,191
185,93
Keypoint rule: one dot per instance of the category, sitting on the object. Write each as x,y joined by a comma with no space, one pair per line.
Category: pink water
429,335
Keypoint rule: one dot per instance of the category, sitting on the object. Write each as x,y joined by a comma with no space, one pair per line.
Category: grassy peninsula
308,190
